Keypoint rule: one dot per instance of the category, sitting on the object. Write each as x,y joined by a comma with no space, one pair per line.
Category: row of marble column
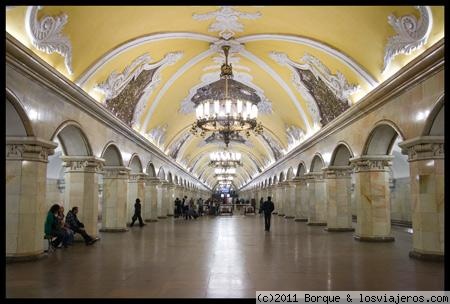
26,171
324,198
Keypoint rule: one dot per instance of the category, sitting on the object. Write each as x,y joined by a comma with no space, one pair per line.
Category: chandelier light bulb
216,107
254,111
206,109
228,106
239,106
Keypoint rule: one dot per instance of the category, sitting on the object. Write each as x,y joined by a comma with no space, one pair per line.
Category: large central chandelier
225,159
226,106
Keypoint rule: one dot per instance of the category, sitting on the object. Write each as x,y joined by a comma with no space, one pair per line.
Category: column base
162,217
26,258
301,220
150,220
113,229
426,256
317,224
374,238
339,229
288,217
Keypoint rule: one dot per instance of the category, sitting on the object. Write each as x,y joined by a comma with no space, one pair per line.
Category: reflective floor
228,256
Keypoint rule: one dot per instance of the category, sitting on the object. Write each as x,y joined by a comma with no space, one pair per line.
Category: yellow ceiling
359,33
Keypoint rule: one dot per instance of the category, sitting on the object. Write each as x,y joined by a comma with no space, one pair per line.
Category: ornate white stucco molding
116,82
226,20
411,34
295,136
336,83
46,34
187,106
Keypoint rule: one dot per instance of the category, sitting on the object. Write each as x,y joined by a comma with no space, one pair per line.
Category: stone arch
17,121
290,173
169,177
282,177
341,155
135,164
381,139
161,173
434,125
175,180
150,170
301,169
270,181
275,180
112,155
317,163
72,138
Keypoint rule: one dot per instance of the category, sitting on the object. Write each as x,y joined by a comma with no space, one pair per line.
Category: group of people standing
63,231
188,209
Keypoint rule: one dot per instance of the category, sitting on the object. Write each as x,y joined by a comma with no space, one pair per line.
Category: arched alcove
341,155
282,177
301,169
151,170
112,156
317,164
436,120
161,174
17,121
290,173
169,177
135,164
381,139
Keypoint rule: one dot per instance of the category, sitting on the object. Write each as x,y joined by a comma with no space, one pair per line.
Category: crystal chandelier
226,171
225,159
226,106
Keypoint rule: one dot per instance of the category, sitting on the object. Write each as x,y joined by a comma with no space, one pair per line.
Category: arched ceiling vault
134,54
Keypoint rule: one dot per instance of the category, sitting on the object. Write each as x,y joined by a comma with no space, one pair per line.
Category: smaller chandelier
224,178
227,171
226,106
225,159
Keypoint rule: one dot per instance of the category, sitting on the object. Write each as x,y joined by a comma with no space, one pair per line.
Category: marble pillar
26,178
301,199
170,199
426,164
81,188
136,189
160,200
317,199
338,182
372,196
289,200
115,192
151,200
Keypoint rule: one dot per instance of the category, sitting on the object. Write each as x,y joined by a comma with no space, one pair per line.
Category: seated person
78,227
68,233
53,229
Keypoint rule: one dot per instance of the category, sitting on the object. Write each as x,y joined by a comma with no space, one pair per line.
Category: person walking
137,214
267,208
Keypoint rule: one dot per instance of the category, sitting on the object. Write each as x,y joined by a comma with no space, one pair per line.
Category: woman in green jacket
52,227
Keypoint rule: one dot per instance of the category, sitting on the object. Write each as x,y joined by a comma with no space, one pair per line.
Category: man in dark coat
137,214
78,227
267,208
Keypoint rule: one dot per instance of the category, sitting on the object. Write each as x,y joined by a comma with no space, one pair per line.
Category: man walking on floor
267,208
137,214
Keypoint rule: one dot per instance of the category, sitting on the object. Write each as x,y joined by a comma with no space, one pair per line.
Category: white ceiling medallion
46,34
336,83
187,106
116,82
227,20
411,33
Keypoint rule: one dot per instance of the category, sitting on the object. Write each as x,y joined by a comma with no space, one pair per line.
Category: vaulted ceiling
145,63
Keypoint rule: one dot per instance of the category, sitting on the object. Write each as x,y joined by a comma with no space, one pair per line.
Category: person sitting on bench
78,227
53,229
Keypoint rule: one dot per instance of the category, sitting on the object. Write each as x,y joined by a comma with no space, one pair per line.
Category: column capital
299,180
137,177
29,148
338,171
120,172
316,176
423,147
83,163
371,163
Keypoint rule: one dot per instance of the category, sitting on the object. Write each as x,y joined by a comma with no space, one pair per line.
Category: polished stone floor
227,256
